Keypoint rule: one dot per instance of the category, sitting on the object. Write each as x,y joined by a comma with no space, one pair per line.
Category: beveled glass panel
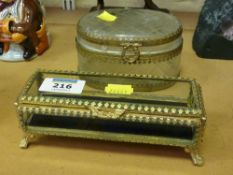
178,92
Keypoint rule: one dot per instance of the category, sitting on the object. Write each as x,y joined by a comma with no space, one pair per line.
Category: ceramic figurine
22,30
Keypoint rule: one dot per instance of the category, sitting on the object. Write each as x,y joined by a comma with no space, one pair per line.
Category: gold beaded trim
68,106
116,41
144,59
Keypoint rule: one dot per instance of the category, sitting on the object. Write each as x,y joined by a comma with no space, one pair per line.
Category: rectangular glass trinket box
174,116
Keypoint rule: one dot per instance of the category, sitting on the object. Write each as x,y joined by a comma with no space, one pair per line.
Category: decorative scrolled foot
26,141
149,4
195,155
100,6
197,159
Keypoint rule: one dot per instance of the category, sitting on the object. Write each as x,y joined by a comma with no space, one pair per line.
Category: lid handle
133,48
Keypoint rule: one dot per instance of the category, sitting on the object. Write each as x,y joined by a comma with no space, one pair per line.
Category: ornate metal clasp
114,114
130,52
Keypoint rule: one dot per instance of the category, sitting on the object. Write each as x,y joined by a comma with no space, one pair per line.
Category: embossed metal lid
132,25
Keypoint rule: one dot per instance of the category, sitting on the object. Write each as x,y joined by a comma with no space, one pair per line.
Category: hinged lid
142,26
182,99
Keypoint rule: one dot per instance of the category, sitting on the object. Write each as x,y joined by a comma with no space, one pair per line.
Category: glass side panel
112,126
176,93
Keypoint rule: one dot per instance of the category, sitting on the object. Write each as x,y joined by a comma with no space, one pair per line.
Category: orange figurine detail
22,30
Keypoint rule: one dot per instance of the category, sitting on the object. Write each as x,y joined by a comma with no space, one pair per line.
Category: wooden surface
59,156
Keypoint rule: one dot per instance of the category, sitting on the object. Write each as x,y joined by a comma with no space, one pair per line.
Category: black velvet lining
112,126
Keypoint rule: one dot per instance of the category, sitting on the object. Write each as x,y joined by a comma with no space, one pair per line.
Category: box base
112,130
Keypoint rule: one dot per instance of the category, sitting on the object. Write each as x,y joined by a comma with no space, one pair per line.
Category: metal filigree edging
116,42
144,59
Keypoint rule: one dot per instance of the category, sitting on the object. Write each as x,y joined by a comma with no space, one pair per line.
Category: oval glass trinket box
139,41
